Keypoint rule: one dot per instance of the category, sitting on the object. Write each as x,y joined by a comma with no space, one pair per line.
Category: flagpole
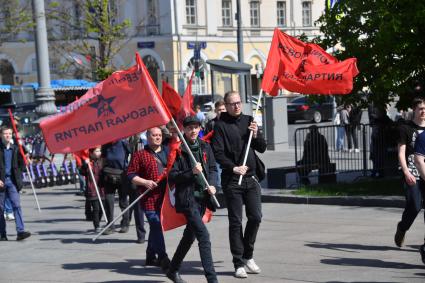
260,96
193,158
97,190
21,150
122,212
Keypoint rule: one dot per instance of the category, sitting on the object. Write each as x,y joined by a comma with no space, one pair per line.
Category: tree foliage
91,29
388,39
15,16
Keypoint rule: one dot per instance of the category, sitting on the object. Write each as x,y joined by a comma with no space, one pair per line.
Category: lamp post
45,96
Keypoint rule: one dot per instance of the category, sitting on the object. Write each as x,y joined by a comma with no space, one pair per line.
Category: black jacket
181,175
17,166
229,142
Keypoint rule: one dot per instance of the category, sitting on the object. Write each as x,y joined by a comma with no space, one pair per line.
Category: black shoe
109,231
3,238
399,237
23,235
140,241
175,277
124,229
164,263
422,252
151,261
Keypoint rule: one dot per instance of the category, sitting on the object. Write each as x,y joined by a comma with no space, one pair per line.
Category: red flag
18,139
81,156
187,104
208,137
171,98
170,218
305,68
125,103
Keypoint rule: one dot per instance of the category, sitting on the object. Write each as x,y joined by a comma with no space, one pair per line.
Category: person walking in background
11,165
116,155
91,194
340,130
200,115
219,107
414,187
354,119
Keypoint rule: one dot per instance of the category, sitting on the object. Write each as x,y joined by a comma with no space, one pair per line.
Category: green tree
90,28
15,16
388,39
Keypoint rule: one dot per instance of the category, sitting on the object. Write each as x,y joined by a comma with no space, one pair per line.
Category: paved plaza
296,243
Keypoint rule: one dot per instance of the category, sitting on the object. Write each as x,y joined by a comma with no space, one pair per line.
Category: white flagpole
97,190
32,187
250,135
122,212
193,158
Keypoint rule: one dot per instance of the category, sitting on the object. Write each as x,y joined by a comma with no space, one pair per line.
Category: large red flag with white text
305,68
124,104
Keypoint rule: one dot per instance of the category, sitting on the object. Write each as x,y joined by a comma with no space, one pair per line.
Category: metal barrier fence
328,150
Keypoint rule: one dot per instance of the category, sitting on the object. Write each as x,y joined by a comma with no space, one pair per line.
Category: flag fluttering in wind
305,68
124,104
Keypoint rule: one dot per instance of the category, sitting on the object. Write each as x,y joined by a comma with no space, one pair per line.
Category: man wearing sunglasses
231,134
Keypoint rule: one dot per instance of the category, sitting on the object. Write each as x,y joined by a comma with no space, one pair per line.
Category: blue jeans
415,195
156,243
8,205
11,192
340,132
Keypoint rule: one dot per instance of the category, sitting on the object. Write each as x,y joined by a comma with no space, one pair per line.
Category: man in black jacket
193,197
11,165
229,142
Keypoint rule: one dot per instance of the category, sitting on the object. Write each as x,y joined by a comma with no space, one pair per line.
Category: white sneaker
10,217
357,150
252,267
240,273
350,150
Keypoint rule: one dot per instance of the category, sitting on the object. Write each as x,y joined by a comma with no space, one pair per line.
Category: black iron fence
328,150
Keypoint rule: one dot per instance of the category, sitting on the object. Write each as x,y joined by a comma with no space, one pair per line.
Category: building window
281,13
226,13
191,12
306,14
254,10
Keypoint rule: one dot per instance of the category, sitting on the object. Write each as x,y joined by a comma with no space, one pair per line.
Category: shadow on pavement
366,262
89,241
57,220
137,267
59,232
354,248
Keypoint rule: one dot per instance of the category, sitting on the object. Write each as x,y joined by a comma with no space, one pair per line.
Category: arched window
153,67
7,73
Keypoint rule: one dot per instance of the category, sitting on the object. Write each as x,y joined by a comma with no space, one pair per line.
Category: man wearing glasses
231,134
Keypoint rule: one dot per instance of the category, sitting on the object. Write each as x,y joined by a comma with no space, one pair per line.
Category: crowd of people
133,166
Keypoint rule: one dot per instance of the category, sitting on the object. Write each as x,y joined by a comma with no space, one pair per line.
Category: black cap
190,120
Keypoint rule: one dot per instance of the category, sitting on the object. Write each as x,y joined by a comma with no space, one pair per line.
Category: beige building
163,31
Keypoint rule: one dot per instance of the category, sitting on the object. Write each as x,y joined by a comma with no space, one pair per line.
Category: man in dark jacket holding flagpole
231,134
193,197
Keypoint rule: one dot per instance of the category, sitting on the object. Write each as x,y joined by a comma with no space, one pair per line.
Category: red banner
124,104
171,98
305,68
170,219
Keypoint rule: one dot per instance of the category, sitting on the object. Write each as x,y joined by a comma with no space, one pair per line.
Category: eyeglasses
234,104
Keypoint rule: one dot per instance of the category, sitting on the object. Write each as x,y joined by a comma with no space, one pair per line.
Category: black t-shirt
408,134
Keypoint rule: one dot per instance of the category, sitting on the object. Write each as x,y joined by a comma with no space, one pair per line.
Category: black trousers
110,190
415,198
248,194
195,229
139,214
97,212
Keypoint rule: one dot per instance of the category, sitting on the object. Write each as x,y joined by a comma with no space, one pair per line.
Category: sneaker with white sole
240,273
9,217
251,266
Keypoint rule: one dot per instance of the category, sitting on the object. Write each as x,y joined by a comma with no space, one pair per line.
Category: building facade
163,33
